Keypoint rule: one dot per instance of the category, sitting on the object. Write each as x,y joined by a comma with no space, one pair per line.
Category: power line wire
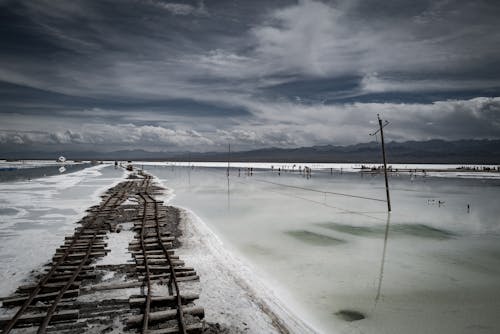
320,191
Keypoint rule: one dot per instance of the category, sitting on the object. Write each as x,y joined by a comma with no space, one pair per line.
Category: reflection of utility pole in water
381,274
381,130
189,169
228,185
228,158
228,195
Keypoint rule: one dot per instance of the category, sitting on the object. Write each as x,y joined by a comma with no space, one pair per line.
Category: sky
175,76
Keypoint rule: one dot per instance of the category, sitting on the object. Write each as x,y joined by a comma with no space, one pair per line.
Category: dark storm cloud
196,74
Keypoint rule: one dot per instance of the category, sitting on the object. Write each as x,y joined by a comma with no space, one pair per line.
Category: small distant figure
331,171
239,172
468,208
307,172
279,171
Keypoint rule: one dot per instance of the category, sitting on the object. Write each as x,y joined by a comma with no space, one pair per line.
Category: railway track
53,304
155,259
69,263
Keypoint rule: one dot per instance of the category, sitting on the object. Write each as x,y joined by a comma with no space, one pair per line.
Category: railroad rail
54,303
67,266
156,254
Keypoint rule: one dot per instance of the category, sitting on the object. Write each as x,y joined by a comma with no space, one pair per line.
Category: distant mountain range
431,151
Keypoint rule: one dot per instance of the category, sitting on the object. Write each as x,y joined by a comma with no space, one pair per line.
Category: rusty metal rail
117,198
148,200
147,279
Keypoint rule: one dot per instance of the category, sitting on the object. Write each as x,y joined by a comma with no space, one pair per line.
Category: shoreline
257,302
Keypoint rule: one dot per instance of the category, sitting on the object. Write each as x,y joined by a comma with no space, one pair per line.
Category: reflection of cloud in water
30,225
39,213
415,230
354,230
470,263
313,238
349,315
258,249
7,235
8,212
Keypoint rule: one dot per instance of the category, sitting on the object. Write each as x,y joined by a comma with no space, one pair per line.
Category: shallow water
431,266
33,171
36,215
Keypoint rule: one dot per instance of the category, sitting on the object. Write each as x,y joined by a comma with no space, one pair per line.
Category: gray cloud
181,8
304,125
196,75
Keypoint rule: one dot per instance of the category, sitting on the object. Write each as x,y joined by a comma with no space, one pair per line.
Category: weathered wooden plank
49,287
190,328
79,255
85,237
38,317
150,246
178,274
164,300
196,311
71,268
153,239
162,268
140,257
83,244
65,277
40,297
160,261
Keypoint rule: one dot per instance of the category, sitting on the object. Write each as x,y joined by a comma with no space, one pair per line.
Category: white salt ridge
232,293
118,244
108,276
448,170
130,201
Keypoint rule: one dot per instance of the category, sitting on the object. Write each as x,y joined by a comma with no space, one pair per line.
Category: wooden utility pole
228,157
228,185
385,162
381,130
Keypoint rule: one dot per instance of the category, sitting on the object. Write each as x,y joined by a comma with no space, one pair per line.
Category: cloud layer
195,75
